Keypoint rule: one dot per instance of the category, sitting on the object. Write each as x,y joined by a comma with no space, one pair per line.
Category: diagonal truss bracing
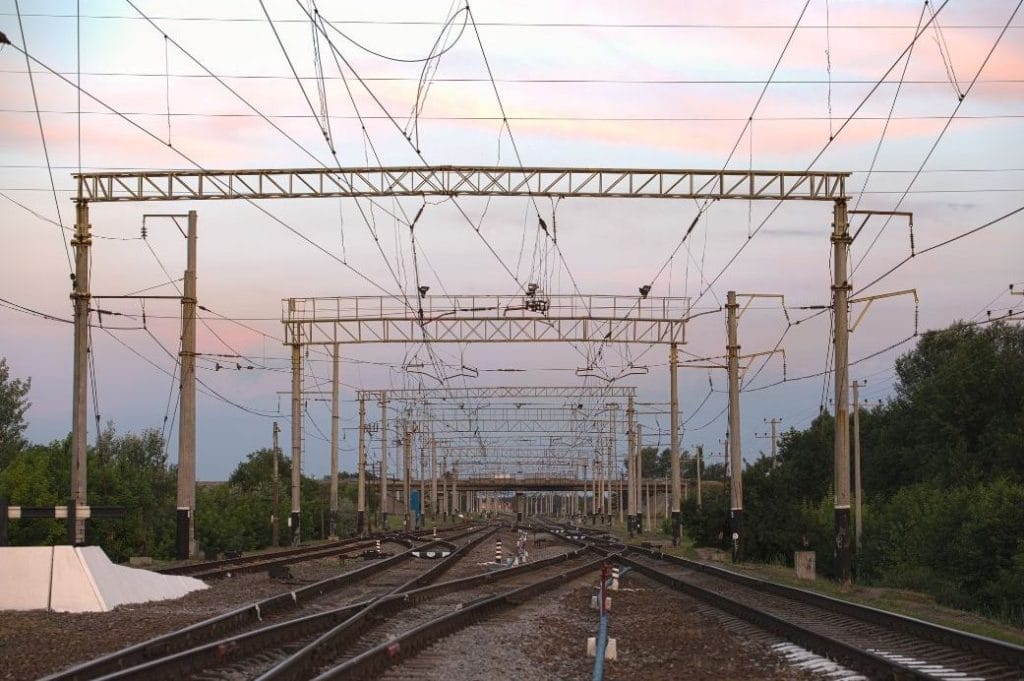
283,183
528,318
442,395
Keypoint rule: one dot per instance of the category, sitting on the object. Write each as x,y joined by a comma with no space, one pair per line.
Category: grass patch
901,601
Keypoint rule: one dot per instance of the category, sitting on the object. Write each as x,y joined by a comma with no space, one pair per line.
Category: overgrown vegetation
943,478
132,471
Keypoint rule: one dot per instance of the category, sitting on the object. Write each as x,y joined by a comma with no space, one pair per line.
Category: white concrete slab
72,588
117,584
69,579
25,577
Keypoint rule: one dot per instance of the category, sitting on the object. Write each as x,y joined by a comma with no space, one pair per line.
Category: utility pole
422,506
296,513
622,498
433,479
585,492
275,521
455,487
735,454
335,423
856,461
79,393
186,539
609,468
631,465
444,488
673,370
361,491
384,501
639,478
774,437
407,485
841,314
700,463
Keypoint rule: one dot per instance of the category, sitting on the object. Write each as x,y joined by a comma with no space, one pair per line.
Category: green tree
131,470
958,414
13,406
38,475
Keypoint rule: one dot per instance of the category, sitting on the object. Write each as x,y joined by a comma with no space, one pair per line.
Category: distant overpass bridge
529,484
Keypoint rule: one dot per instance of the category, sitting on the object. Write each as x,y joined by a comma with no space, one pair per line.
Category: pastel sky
639,84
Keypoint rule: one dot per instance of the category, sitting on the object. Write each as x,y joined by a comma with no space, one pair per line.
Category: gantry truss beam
441,396
560,433
485,414
500,452
525,318
296,183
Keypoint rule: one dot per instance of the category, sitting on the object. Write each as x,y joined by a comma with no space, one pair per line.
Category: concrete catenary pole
612,453
385,503
296,509
433,479
775,438
275,485
444,488
361,491
856,464
421,508
631,462
186,543
700,464
335,444
639,477
407,479
673,372
79,393
841,291
735,454
456,507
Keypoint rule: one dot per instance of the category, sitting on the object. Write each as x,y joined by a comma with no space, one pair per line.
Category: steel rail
374,661
999,651
875,666
300,664
225,650
221,625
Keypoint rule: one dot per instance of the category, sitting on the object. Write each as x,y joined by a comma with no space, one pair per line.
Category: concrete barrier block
72,589
611,650
591,647
804,561
25,577
117,584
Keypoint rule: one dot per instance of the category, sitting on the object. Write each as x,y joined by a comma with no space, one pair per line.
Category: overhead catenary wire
949,121
42,136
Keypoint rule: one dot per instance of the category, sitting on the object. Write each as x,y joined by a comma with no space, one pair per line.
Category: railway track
360,584
256,562
876,643
248,641
398,644
415,617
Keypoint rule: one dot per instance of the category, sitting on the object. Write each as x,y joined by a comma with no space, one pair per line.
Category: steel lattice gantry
456,181
498,429
429,396
291,183
527,317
